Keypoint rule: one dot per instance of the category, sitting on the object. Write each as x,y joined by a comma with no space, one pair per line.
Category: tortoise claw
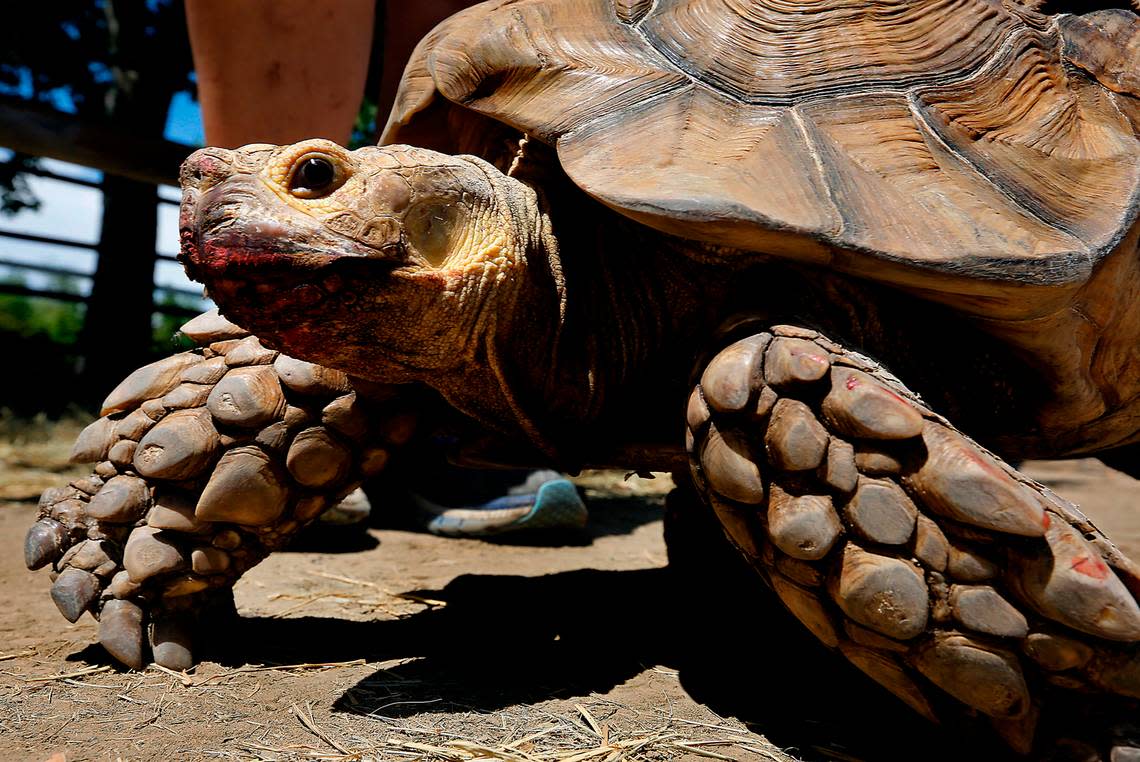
121,632
44,543
74,591
171,643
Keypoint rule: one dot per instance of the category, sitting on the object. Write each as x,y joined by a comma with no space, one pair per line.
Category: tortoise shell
917,142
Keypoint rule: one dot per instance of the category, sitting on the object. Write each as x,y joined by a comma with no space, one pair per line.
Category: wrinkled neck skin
639,308
600,309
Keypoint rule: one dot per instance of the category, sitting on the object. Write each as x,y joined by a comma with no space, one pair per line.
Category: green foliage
365,130
166,338
45,319
41,334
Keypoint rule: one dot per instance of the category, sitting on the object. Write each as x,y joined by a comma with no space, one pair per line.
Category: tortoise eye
314,176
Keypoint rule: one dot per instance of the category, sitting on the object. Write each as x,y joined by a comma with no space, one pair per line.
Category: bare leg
960,585
279,71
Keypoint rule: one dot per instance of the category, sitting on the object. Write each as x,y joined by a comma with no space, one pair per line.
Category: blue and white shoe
354,508
544,500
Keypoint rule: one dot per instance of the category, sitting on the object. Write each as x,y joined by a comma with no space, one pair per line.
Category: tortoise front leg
207,461
960,585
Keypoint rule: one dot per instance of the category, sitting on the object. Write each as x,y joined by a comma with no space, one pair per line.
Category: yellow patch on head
435,230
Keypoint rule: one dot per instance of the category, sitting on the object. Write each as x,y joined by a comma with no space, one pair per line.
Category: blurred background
98,107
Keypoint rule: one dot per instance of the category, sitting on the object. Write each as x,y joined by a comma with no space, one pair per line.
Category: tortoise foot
960,585
207,462
148,582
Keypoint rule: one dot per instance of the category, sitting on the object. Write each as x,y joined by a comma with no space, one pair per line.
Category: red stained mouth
254,300
221,257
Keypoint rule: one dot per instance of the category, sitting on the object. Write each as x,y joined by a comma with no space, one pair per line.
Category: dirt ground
393,645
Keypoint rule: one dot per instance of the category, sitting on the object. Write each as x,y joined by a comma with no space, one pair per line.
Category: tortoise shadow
319,537
505,640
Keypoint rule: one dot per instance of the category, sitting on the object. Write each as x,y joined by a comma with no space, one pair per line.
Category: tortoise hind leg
960,585
208,461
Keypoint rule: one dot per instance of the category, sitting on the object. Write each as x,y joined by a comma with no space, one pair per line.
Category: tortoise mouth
263,284
267,294
237,231
267,265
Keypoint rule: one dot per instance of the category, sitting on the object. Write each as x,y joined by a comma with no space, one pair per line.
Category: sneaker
543,500
354,508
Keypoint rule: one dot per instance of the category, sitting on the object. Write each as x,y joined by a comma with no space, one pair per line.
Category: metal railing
68,296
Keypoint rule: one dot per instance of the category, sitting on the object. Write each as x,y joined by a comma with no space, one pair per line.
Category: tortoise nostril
191,175
204,168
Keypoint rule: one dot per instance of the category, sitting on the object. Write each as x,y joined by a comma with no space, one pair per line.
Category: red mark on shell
1045,520
852,382
1091,567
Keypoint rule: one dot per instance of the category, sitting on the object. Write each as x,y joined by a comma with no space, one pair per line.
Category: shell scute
949,145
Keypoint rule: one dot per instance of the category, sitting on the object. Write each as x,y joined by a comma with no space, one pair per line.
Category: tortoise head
390,263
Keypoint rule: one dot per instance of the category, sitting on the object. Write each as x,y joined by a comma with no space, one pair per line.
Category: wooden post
116,335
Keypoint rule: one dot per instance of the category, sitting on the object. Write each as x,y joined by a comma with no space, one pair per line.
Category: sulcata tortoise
687,235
